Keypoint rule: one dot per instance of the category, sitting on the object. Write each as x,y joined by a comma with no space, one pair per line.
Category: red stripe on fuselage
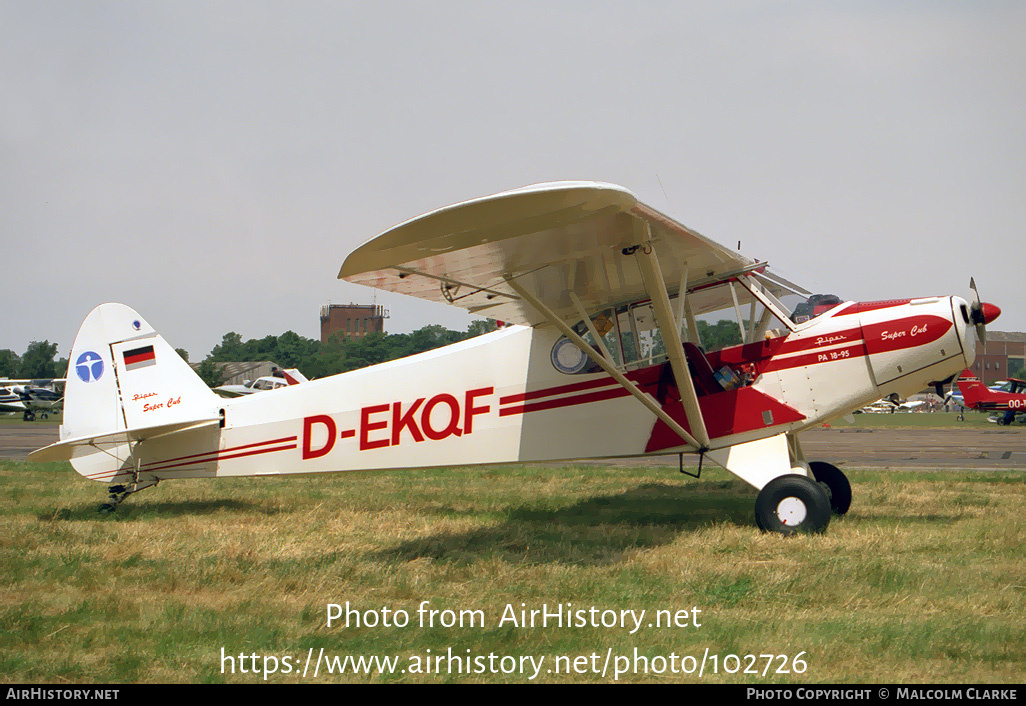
283,440
220,458
214,456
860,307
814,358
834,338
565,401
559,390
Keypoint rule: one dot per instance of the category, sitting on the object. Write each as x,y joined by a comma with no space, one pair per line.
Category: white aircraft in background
880,407
31,397
590,275
288,376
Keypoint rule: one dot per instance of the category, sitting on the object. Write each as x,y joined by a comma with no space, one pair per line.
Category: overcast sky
212,164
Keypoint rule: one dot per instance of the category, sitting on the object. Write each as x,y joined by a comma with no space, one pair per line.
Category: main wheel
791,504
839,487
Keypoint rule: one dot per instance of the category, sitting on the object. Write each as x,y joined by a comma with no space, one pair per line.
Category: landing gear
120,492
28,416
790,504
838,489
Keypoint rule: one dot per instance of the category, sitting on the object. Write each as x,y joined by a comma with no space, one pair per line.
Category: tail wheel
839,489
791,504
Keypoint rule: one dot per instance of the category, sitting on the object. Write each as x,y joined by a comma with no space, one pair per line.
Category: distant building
1004,349
352,320
239,373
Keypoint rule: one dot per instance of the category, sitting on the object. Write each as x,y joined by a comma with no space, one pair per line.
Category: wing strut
607,365
653,277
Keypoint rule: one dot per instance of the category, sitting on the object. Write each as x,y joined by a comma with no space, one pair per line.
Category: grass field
923,581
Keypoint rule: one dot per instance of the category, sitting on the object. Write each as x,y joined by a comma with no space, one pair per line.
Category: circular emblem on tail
89,367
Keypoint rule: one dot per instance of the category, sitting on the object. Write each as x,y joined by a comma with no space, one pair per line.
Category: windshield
813,307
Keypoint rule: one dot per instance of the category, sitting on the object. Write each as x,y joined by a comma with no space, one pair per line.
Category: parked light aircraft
954,396
289,376
893,404
879,407
1008,398
31,397
604,360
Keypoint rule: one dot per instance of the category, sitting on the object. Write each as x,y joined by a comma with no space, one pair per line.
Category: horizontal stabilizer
83,445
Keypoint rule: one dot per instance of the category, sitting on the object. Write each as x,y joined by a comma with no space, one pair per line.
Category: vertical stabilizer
123,375
972,389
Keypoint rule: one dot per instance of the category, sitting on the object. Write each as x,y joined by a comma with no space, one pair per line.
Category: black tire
791,504
840,489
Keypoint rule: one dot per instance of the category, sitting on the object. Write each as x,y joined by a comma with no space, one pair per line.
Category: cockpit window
813,307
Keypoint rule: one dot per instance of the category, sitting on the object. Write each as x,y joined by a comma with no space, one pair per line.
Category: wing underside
553,240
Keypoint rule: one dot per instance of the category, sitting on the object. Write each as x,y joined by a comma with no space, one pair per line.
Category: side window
568,359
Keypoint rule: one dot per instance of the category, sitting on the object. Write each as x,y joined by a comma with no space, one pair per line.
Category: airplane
891,404
881,406
1009,397
31,397
277,379
954,395
603,359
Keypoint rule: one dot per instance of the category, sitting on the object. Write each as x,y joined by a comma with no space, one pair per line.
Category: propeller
981,313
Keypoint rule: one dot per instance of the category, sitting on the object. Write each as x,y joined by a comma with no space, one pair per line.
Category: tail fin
971,387
293,376
124,377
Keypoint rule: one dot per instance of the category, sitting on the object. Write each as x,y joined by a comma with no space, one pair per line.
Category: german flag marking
139,358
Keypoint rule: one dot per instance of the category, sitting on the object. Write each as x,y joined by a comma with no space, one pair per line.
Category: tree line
339,354
37,363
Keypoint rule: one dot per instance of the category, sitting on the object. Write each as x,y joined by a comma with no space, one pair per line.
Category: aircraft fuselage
501,398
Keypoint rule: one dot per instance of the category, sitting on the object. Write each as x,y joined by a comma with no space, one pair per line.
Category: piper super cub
604,360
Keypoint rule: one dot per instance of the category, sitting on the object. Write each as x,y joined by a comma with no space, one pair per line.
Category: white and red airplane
605,361
278,379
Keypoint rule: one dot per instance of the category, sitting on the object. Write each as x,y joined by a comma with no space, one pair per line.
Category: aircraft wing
552,239
230,394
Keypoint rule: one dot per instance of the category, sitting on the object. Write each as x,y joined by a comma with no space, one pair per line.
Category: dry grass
921,582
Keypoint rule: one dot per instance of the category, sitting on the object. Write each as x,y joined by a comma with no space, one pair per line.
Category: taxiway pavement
972,448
